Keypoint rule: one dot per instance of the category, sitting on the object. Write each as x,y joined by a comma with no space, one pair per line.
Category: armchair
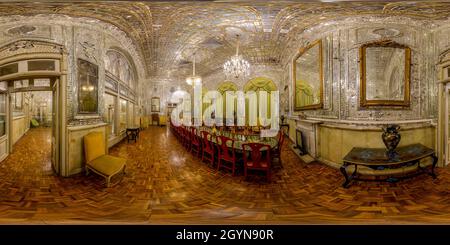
98,161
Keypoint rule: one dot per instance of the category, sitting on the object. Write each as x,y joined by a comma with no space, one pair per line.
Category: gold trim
362,70
294,75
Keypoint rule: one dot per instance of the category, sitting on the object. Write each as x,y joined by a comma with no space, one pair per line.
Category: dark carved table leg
344,172
435,159
433,166
354,172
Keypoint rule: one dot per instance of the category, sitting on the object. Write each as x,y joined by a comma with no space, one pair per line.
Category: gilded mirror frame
364,102
294,76
155,104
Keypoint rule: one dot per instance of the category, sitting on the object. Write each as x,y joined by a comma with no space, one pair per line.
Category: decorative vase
391,137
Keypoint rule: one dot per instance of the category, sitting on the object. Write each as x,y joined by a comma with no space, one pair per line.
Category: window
41,65
87,87
21,83
123,115
3,86
16,100
108,117
41,82
9,69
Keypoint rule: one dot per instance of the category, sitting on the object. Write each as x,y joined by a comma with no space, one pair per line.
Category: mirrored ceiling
168,33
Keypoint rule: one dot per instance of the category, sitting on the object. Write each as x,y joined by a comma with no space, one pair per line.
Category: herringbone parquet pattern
166,184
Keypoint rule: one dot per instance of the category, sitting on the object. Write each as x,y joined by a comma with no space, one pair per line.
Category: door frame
442,128
41,50
54,83
5,137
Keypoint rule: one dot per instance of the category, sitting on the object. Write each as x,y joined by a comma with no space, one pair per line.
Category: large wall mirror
87,87
385,74
155,104
308,77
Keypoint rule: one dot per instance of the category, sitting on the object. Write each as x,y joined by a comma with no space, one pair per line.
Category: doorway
443,125
32,117
447,124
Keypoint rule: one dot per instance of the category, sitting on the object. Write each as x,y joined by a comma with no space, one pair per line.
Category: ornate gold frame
362,70
155,100
294,75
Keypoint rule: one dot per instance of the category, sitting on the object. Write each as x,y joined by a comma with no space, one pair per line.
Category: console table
132,133
377,159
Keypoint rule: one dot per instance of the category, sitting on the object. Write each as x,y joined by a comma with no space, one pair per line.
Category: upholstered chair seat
98,161
109,165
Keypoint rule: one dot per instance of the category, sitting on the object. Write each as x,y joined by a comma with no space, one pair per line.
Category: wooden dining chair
196,143
276,152
98,161
207,147
227,154
187,138
258,158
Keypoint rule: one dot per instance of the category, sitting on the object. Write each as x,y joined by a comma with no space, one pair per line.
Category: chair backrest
207,144
194,136
188,133
94,146
162,120
225,149
259,153
280,140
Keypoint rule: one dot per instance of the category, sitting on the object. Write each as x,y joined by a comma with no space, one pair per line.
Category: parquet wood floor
165,184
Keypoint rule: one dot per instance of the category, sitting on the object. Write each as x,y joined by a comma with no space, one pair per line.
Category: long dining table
239,138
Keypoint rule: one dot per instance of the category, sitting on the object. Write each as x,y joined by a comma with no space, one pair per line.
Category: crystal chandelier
237,66
194,80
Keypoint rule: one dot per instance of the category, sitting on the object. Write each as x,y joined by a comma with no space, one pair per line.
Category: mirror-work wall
375,71
342,75
100,92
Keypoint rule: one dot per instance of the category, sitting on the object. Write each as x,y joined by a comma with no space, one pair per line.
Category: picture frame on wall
155,104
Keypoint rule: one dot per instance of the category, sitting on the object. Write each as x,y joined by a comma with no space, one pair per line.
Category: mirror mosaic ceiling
168,33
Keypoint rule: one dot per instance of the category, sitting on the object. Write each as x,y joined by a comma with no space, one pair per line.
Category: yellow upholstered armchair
162,120
98,161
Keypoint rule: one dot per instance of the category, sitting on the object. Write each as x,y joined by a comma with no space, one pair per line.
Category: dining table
239,138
